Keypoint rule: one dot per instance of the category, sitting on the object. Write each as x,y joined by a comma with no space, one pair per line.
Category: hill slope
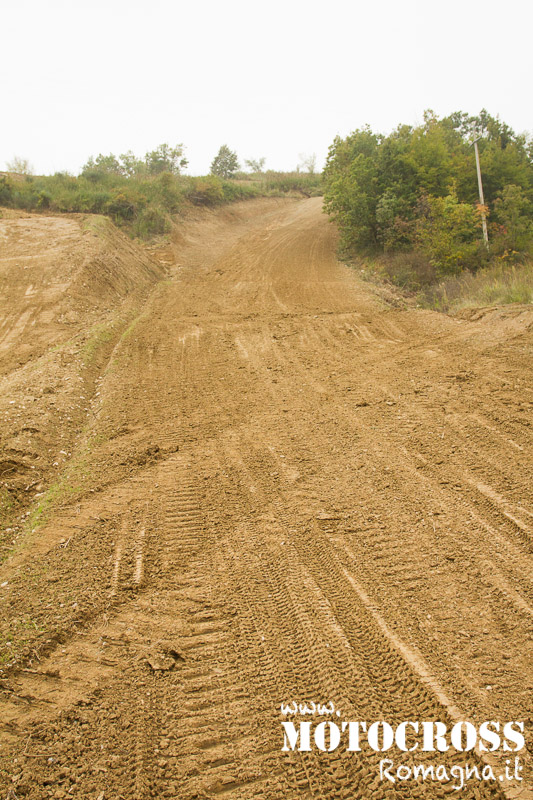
286,492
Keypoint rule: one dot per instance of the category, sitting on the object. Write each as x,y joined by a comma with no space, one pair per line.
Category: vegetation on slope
142,195
412,198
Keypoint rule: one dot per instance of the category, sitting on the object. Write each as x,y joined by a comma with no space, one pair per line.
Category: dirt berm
246,481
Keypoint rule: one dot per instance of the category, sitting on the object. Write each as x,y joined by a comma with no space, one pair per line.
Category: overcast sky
275,79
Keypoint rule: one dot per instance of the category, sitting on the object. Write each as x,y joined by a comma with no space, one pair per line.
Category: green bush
166,191
208,191
448,234
44,200
125,204
151,221
6,191
94,202
238,191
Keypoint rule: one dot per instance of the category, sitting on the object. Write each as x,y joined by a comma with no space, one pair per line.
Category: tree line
416,191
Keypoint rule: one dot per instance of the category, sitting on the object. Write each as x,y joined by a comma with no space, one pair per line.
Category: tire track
309,497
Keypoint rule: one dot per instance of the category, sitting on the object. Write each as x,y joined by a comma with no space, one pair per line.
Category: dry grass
499,284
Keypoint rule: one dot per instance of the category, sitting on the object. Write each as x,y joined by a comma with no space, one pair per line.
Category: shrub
206,191
124,190
6,191
513,211
447,234
125,204
167,191
44,200
236,191
152,221
411,271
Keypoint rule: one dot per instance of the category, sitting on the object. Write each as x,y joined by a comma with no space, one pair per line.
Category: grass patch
17,637
411,272
412,277
279,183
130,329
100,335
58,494
499,284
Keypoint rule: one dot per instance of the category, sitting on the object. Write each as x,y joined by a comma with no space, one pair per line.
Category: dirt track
290,492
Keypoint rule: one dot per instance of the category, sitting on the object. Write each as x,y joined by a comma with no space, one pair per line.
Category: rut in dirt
294,493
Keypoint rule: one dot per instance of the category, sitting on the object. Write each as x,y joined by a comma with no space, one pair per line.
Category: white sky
274,79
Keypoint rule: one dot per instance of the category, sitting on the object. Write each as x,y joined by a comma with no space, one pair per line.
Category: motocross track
284,490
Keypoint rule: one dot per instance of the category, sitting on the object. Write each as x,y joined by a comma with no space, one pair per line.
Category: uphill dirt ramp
69,286
293,493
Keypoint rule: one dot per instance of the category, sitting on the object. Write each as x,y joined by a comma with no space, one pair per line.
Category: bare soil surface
275,488
68,287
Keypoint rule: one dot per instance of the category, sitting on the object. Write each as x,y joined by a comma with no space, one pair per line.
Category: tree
351,188
255,164
19,165
102,164
513,211
131,165
394,231
166,159
225,164
447,233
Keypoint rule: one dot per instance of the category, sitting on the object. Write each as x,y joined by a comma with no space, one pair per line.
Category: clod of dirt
164,661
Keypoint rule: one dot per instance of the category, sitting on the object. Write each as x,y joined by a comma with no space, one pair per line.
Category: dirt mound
68,286
503,322
57,276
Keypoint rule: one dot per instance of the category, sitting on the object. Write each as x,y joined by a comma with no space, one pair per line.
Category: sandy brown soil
68,288
281,490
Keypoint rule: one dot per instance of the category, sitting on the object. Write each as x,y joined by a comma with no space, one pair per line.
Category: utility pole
481,198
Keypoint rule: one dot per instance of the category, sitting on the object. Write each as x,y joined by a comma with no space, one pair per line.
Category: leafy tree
225,164
396,168
131,165
448,233
102,164
431,159
514,212
393,230
163,159
166,159
351,194
255,164
19,165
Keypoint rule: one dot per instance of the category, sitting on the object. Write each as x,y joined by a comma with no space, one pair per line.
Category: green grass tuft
499,284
